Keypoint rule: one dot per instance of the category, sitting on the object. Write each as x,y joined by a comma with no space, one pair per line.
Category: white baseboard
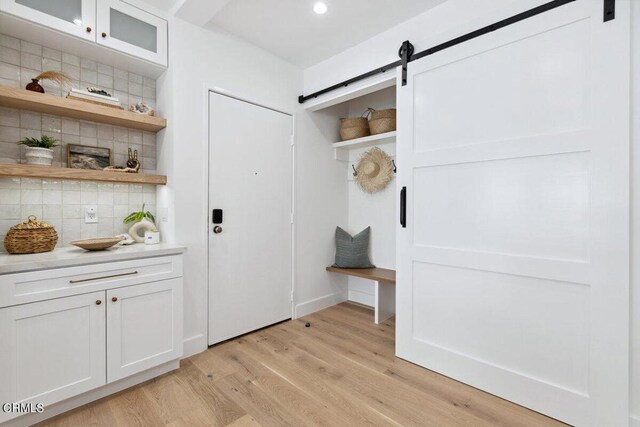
318,304
194,345
634,421
362,298
93,395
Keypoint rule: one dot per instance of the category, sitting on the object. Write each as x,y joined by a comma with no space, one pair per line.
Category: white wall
635,217
456,17
321,205
376,210
451,18
199,60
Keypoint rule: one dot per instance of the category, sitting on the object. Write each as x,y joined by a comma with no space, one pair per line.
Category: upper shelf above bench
56,105
342,149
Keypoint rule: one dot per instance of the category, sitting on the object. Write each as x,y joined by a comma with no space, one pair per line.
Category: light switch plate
90,214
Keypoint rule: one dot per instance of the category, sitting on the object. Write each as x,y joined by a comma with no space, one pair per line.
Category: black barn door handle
403,207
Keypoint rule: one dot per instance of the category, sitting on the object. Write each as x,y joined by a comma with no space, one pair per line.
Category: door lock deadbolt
217,229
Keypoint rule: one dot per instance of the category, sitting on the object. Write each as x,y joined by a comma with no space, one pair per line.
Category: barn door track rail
407,55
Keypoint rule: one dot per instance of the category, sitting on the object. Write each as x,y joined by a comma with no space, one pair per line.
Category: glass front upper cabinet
75,17
128,29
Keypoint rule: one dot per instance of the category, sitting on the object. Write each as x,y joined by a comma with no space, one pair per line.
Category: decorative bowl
96,244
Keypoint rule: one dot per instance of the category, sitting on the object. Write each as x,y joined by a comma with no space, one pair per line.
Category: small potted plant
143,221
39,151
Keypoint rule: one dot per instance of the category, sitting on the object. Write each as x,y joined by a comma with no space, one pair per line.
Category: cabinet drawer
20,288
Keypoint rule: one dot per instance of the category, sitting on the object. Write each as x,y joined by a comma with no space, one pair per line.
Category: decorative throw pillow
352,252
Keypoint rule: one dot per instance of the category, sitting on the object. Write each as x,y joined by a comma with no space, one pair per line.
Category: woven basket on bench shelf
352,128
30,237
382,121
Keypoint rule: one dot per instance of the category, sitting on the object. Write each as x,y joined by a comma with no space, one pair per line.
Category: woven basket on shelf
31,237
354,128
382,121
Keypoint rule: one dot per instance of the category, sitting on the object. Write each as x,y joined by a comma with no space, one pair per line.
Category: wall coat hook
355,172
395,169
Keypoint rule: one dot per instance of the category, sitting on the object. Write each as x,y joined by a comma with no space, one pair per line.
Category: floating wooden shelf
49,104
79,174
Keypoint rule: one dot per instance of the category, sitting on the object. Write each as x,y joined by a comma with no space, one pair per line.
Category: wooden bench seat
385,293
377,274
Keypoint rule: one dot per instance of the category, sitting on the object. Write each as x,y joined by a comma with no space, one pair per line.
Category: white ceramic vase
39,156
138,229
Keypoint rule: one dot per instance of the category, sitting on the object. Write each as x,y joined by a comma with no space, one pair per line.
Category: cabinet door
75,17
52,350
131,30
144,327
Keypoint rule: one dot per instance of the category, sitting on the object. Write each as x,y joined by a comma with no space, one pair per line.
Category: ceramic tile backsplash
61,202
20,61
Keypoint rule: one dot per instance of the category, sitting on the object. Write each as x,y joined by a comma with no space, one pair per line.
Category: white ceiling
291,30
165,5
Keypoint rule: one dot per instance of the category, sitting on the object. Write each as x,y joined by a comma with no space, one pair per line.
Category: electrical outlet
90,214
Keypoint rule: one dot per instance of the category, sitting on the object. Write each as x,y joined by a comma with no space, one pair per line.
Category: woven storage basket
382,121
357,127
31,237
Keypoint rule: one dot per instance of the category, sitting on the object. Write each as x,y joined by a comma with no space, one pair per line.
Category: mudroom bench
384,281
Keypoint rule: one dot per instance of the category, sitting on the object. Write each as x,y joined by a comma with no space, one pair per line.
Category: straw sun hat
374,170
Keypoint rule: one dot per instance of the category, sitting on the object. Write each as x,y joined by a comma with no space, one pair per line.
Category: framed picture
86,157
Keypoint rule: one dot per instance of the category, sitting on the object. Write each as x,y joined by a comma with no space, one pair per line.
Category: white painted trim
194,345
293,214
634,421
93,395
318,304
363,298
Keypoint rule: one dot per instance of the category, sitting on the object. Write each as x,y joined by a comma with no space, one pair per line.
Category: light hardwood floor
341,371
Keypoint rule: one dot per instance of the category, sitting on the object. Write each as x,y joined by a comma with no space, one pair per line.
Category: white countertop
71,256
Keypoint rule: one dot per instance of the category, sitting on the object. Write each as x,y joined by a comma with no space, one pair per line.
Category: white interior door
250,179
513,266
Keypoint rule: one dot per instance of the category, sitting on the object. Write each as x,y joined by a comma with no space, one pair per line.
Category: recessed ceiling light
320,8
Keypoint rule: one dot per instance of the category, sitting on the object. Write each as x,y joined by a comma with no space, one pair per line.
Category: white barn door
513,266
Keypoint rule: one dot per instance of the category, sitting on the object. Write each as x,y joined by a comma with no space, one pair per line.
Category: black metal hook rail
406,50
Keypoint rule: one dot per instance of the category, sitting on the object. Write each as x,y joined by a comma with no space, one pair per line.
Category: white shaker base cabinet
144,327
52,350
112,321
512,271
